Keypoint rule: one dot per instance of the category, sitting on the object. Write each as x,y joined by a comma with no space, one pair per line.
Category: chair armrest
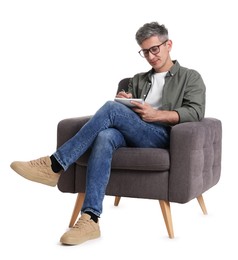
195,154
67,128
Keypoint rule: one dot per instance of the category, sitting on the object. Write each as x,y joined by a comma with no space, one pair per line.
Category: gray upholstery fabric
195,158
127,158
191,166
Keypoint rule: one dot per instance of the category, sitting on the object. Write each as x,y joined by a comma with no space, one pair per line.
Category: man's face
156,53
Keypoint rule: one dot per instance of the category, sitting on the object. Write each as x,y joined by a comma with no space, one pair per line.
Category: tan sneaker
37,170
85,229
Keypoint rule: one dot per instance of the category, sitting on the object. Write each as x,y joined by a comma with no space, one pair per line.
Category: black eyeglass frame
142,51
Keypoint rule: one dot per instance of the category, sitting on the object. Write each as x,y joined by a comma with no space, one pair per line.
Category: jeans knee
113,106
109,104
110,137
105,136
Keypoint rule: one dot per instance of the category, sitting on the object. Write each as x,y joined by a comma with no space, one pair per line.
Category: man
172,94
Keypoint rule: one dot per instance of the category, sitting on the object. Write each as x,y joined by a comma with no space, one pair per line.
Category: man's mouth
154,62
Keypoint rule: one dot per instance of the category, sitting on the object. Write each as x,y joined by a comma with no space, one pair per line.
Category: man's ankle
92,215
55,166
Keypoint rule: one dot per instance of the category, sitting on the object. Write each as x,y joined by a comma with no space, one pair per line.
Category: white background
62,59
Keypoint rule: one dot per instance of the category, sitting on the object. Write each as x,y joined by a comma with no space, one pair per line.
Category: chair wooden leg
165,208
77,207
202,204
117,200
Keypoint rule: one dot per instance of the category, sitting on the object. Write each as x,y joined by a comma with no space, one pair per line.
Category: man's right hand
123,94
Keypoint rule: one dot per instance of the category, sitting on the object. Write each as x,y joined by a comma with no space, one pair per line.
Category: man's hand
149,114
123,94
145,111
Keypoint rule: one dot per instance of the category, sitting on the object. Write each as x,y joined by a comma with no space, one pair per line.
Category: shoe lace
81,223
38,162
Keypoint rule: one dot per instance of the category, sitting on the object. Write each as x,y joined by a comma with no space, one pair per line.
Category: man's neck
167,66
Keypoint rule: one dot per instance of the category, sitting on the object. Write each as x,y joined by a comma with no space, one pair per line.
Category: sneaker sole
76,241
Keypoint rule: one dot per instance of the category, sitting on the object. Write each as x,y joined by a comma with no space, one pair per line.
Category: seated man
172,94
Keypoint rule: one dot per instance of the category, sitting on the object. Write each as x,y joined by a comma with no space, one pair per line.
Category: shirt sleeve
193,106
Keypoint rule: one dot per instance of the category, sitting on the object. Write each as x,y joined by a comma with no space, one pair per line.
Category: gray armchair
191,166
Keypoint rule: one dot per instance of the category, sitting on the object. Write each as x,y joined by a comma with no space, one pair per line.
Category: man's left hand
145,111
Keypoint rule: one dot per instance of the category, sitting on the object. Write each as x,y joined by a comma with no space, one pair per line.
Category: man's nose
150,56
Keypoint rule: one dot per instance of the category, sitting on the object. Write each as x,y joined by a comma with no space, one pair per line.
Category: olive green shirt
184,91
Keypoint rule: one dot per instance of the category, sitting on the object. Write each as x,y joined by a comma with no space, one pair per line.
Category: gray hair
152,29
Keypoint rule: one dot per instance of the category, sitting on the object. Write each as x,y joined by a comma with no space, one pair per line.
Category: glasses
144,53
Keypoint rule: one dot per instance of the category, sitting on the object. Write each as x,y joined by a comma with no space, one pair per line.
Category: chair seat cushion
140,159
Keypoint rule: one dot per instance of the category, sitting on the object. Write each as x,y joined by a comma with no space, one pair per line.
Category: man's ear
169,45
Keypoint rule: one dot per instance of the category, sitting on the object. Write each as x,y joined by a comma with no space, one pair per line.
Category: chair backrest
123,84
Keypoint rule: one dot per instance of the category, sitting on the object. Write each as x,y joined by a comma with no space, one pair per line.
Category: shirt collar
170,73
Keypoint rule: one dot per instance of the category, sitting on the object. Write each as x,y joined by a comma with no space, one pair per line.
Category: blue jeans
114,125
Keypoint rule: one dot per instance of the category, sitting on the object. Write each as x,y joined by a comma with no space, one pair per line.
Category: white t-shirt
154,96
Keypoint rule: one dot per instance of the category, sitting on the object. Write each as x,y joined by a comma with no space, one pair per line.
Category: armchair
191,166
